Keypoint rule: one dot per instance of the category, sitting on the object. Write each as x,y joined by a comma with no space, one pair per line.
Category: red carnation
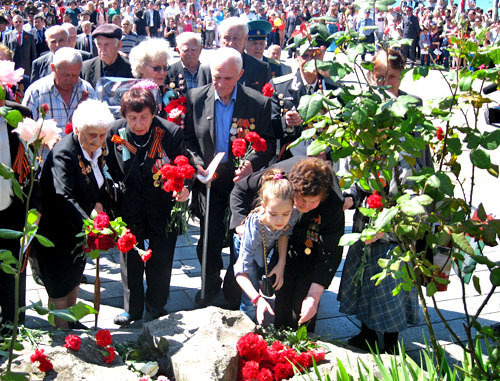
268,90
103,338
44,108
283,371
111,356
439,134
92,242
68,129
173,185
101,221
147,255
277,346
167,171
45,365
126,242
252,137
239,147
73,342
260,145
187,171
251,347
106,241
319,355
374,201
305,359
181,160
265,375
251,370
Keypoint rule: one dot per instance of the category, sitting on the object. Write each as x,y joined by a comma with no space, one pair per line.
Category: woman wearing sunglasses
149,60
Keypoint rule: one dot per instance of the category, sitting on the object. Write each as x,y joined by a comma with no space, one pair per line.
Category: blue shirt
364,23
191,79
223,118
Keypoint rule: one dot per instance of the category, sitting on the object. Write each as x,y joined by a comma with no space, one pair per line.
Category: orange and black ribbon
156,148
21,165
118,140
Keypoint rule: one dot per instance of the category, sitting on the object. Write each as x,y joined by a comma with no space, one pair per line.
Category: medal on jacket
312,234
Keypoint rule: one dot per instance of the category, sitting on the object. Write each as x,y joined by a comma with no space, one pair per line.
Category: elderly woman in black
72,185
313,251
139,144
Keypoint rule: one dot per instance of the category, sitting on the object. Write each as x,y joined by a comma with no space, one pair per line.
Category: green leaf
39,308
477,284
481,213
491,140
80,310
412,208
442,182
461,241
383,262
385,217
420,71
10,234
44,241
455,146
368,212
301,333
316,147
431,289
480,159
495,277
424,199
349,239
7,268
360,116
2,93
465,83
310,106
13,118
13,376
493,170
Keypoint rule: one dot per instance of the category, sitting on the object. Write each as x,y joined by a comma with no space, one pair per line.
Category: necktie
19,39
88,44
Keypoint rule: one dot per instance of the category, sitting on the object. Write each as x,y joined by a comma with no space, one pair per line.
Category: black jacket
326,253
141,196
94,69
256,73
176,76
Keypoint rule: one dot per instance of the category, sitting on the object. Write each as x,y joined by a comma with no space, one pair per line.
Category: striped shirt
129,41
44,91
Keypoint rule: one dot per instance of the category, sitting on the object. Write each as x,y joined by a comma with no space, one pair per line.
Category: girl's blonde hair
275,184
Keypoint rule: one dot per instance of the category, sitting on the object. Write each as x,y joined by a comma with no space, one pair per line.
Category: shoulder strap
264,245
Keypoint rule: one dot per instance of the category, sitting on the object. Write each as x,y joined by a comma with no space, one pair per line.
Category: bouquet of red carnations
101,234
242,150
173,178
260,362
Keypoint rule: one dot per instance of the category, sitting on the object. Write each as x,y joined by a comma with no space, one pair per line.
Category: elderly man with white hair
234,34
217,114
188,73
62,91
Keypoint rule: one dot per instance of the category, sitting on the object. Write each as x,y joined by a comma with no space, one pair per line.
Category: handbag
267,282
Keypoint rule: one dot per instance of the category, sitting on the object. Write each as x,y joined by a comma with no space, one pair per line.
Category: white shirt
95,166
6,192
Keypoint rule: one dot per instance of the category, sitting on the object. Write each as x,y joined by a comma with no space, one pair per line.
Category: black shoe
391,345
124,319
364,340
77,325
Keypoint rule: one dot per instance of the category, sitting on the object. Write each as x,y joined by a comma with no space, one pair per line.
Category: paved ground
332,324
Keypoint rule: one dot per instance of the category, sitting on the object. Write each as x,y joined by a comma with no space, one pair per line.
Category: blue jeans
246,304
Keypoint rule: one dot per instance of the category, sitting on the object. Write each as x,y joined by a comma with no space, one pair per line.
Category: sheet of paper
212,167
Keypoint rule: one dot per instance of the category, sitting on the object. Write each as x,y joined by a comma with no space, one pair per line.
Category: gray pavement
332,324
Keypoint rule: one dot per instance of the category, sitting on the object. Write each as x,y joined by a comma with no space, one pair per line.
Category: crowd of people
103,164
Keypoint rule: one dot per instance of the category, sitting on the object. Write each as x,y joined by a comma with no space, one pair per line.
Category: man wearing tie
21,44
39,33
84,41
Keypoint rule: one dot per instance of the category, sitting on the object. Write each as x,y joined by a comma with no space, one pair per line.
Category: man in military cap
21,7
108,63
31,9
258,31
6,6
288,89
3,27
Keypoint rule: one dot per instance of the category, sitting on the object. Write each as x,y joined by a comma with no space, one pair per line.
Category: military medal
172,85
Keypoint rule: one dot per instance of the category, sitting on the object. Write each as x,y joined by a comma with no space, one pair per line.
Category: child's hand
279,271
262,307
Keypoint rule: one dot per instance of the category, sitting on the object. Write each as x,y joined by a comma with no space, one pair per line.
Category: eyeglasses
159,68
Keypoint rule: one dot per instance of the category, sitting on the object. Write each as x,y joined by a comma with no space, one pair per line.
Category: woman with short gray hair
149,60
72,186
